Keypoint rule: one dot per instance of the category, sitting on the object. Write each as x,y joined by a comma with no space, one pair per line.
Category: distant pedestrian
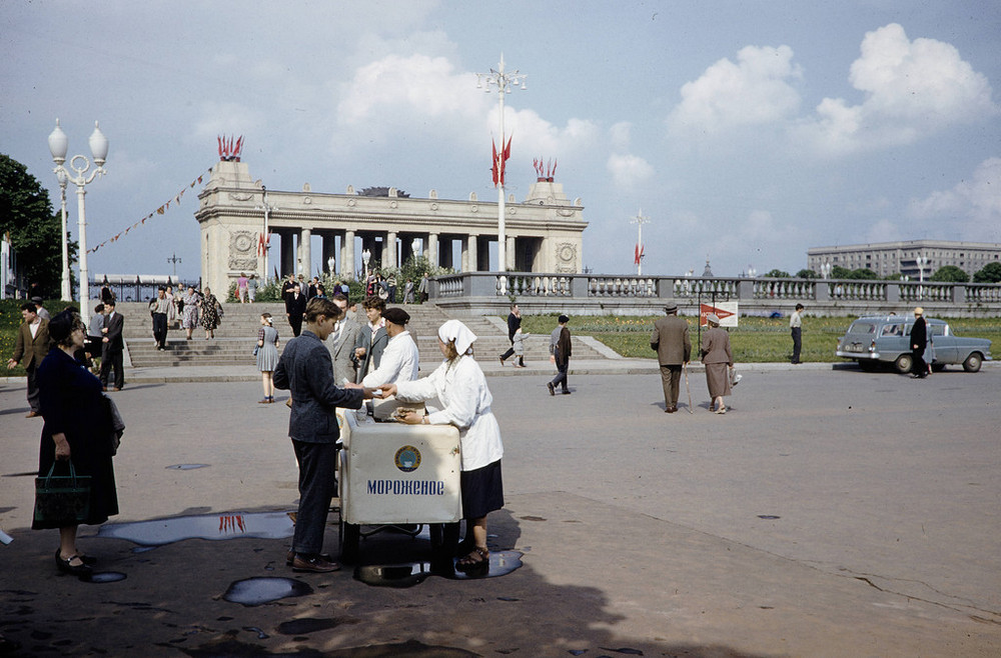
241,288
560,351
519,347
95,337
391,288
718,359
40,309
267,356
189,314
422,289
408,292
163,313
796,329
513,324
113,356
251,288
295,308
670,340
919,339
211,312
31,346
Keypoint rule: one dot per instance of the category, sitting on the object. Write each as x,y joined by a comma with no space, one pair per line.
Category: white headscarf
460,333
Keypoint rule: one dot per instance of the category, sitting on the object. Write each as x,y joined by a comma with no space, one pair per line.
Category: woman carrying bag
78,427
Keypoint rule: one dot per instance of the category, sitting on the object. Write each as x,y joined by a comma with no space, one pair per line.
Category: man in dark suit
372,339
113,353
305,369
919,339
674,349
295,306
513,324
31,345
560,351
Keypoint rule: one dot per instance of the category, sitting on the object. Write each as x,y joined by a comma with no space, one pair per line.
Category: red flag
504,156
638,254
494,171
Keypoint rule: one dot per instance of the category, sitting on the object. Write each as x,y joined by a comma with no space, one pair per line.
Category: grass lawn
754,340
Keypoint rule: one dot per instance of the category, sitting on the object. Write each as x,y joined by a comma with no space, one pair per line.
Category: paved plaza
831,513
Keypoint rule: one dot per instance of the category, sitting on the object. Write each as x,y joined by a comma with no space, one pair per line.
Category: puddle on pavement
413,573
157,532
187,467
105,577
257,591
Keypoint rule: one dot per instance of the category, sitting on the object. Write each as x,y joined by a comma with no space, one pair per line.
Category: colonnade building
887,258
543,232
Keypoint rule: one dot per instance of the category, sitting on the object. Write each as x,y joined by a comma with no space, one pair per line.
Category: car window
863,328
938,329
895,329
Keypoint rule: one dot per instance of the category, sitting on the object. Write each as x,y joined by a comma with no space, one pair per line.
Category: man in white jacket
400,360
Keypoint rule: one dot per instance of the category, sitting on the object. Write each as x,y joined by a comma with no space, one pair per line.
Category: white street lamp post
503,80
921,261
639,220
331,264
366,256
58,144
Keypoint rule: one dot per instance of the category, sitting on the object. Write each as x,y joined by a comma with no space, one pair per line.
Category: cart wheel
350,534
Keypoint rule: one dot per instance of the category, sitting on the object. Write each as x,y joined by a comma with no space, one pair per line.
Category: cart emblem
408,458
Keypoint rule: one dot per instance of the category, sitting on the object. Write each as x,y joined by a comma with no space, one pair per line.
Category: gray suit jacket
373,349
305,369
670,339
342,351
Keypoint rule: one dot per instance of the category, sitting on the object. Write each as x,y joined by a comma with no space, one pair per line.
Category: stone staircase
235,338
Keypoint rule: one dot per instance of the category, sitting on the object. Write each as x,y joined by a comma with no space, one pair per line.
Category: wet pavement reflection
157,532
257,591
413,573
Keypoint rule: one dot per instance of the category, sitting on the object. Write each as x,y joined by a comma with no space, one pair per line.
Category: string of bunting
159,211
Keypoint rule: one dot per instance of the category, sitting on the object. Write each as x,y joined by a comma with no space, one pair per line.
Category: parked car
885,340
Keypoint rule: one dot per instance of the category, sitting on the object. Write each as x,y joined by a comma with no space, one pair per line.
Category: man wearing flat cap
399,362
670,341
559,354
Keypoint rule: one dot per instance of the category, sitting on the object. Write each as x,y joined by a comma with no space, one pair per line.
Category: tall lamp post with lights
503,80
58,145
639,220
922,262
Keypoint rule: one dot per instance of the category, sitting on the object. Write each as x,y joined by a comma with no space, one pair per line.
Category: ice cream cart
398,475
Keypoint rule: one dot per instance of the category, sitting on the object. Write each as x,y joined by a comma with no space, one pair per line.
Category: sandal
478,558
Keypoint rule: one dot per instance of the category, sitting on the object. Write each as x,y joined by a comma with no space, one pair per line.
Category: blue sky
745,131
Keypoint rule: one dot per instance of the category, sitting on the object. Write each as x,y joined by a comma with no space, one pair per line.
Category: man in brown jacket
32,345
670,340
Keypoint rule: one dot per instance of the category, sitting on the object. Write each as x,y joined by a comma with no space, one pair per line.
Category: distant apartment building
886,258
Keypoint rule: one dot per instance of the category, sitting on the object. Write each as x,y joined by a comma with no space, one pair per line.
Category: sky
745,131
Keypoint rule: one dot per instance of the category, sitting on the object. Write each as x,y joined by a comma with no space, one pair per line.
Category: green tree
26,212
807,274
991,273
838,272
776,274
863,273
951,274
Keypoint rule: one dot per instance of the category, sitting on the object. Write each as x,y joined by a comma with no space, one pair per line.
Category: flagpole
639,220
503,81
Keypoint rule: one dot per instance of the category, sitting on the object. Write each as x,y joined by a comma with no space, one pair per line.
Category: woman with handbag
77,428
718,359
211,312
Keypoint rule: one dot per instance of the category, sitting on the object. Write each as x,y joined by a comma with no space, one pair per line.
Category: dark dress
71,402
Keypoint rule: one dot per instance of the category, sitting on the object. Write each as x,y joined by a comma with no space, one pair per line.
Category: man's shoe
315,564
566,392
32,414
116,389
290,557
671,409
501,360
552,391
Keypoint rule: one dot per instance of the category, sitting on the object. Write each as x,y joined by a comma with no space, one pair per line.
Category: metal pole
81,192
66,288
501,233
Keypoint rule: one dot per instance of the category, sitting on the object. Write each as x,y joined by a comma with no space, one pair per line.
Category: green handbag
62,500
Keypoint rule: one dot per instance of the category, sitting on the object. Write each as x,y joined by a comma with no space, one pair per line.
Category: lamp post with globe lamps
58,145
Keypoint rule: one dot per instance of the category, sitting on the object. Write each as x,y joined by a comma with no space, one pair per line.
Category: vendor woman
460,386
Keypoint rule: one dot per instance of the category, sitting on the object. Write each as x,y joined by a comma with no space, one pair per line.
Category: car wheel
973,362
903,363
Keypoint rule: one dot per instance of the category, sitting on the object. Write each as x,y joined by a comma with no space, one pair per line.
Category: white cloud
971,210
883,230
912,88
629,171
755,90
620,135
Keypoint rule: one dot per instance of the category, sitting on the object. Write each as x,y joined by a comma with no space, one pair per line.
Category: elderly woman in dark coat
78,428
718,359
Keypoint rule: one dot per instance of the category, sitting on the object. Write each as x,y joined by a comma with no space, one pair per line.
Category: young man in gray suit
341,343
305,369
674,349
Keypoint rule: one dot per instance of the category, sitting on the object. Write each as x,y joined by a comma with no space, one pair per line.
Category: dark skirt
718,379
482,490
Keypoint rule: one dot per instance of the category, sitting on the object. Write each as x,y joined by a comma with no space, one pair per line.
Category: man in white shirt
796,329
399,361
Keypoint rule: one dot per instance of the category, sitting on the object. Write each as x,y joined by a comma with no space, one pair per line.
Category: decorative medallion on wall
241,196
242,252
566,212
566,257
307,200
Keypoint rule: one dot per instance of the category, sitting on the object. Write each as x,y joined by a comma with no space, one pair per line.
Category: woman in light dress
267,356
191,301
460,387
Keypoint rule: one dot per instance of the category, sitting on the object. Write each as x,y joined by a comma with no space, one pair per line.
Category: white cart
398,475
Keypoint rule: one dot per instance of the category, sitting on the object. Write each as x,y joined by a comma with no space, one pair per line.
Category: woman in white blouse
460,387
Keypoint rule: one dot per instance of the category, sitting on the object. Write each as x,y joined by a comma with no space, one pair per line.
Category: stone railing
625,294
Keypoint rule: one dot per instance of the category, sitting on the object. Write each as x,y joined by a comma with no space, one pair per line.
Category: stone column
469,254
509,254
348,255
287,265
304,253
390,252
432,249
